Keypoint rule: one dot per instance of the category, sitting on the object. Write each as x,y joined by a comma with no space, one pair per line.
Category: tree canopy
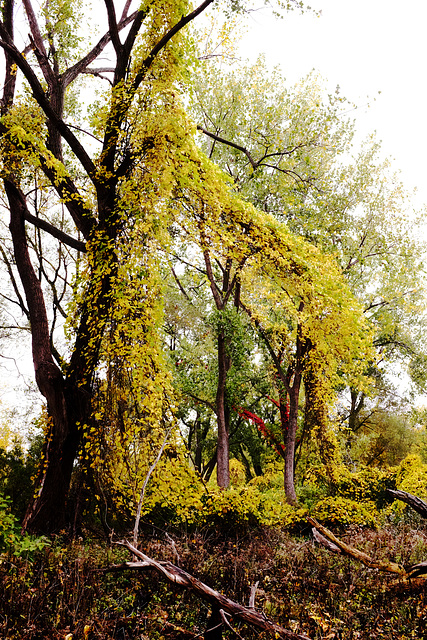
254,255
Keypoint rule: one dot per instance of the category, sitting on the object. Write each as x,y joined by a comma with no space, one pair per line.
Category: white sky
365,47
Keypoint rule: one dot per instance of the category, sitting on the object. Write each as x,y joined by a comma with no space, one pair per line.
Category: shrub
412,476
11,541
233,508
343,512
366,485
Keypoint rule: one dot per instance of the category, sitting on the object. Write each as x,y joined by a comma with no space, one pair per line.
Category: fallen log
331,542
391,567
413,501
324,541
178,576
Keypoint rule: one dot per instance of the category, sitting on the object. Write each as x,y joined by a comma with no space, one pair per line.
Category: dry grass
301,586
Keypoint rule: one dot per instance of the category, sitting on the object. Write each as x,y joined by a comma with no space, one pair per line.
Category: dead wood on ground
221,603
406,574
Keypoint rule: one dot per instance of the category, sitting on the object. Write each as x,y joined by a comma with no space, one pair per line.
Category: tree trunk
223,464
290,439
47,511
67,397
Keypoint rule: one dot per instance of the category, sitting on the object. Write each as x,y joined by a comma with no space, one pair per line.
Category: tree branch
113,29
40,96
70,74
390,567
178,576
217,138
38,44
413,501
55,232
165,39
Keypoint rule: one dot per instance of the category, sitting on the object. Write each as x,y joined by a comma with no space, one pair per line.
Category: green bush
11,541
16,469
234,508
411,476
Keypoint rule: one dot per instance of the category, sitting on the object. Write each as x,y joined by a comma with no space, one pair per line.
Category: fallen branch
407,574
324,541
413,501
178,576
391,567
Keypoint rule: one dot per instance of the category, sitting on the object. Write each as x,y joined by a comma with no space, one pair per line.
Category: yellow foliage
412,476
343,512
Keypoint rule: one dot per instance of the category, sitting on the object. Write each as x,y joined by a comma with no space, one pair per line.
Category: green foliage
235,508
154,200
11,541
17,469
384,436
369,484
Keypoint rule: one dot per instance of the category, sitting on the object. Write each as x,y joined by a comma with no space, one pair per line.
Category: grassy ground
65,588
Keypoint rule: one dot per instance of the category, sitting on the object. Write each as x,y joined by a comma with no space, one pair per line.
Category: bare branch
55,232
80,66
113,29
38,43
144,486
180,577
217,138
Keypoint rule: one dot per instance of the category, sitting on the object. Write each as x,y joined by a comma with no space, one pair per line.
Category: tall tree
94,184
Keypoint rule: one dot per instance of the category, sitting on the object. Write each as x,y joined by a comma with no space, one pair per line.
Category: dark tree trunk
67,398
47,512
209,467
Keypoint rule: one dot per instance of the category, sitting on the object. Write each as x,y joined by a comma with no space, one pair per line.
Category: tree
294,295
94,185
288,152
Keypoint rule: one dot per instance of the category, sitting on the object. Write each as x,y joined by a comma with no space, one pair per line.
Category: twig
227,624
144,486
254,588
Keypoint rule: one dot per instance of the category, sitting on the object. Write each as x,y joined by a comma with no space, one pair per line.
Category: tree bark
223,455
290,440
47,511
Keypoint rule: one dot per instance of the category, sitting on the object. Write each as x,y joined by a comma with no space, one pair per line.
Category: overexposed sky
365,47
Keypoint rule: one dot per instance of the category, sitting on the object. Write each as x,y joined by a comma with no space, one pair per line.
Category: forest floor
66,589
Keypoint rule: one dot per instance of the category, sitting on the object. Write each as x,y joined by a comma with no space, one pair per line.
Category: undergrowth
70,588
